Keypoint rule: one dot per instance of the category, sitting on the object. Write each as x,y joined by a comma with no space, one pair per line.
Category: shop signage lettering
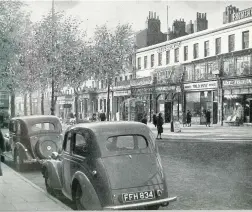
201,85
242,14
122,93
168,47
237,82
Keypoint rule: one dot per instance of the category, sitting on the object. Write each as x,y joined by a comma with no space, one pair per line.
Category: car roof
33,117
116,127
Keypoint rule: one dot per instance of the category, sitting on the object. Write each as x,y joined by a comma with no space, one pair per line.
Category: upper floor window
120,78
152,60
145,61
139,63
245,40
185,53
217,46
126,78
160,58
116,81
195,50
93,83
102,84
206,48
176,55
167,57
231,43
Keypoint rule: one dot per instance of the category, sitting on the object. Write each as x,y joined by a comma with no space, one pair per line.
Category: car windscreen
125,143
45,126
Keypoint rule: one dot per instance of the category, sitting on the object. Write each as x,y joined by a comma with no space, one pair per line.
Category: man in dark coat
144,119
189,118
102,116
154,119
208,118
160,122
2,149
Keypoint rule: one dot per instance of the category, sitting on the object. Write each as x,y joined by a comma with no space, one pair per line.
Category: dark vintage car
108,165
34,138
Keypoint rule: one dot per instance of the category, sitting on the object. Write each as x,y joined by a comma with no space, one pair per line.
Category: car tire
18,161
78,195
49,189
152,207
2,158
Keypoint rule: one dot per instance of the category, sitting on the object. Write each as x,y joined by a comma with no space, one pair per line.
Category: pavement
19,194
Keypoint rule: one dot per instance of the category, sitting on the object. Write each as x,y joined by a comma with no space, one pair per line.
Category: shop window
152,60
206,48
195,50
217,46
167,57
210,67
185,53
145,61
100,104
231,43
243,65
176,55
160,58
245,40
229,67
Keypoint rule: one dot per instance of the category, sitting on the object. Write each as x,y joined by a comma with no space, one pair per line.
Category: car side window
80,145
12,127
18,128
67,144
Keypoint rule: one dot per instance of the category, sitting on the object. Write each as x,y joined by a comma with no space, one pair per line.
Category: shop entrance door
215,112
168,106
250,111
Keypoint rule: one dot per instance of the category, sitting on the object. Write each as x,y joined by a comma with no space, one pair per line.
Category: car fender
54,168
90,197
22,151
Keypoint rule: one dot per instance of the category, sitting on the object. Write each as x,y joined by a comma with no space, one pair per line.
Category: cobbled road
206,176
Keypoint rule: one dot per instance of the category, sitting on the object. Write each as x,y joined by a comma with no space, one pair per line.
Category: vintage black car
108,165
34,138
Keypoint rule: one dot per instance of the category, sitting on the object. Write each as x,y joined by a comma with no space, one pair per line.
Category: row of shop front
227,100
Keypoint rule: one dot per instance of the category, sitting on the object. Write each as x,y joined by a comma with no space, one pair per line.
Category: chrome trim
140,204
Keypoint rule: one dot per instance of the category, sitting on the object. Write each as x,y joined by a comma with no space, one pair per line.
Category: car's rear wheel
18,161
152,207
78,196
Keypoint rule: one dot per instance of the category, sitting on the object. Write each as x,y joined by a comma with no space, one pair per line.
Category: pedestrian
1,150
208,118
188,118
160,122
102,116
154,119
144,119
184,119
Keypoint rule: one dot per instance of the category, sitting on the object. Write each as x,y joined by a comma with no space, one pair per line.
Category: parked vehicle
33,138
108,165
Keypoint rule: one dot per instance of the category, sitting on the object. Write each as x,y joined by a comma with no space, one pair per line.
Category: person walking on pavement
208,118
1,150
154,119
102,116
144,119
160,122
188,118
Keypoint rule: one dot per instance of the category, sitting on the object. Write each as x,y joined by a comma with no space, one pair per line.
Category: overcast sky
135,12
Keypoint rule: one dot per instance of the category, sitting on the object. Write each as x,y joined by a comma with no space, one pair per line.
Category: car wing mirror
55,155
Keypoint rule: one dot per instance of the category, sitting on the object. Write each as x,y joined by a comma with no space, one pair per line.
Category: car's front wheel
78,196
19,162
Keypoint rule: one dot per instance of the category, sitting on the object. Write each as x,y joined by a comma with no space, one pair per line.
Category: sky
135,12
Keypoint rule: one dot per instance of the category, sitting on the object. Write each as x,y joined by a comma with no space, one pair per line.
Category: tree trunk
30,102
172,125
13,104
25,104
108,102
52,99
42,104
76,100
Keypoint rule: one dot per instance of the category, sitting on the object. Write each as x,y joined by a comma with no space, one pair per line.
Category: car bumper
165,201
31,161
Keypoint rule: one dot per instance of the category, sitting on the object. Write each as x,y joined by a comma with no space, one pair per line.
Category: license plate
144,195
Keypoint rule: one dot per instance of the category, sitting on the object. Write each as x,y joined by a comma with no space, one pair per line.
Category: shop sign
201,85
67,106
237,82
168,47
122,93
242,14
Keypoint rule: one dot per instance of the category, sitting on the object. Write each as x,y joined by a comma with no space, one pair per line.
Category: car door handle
94,173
